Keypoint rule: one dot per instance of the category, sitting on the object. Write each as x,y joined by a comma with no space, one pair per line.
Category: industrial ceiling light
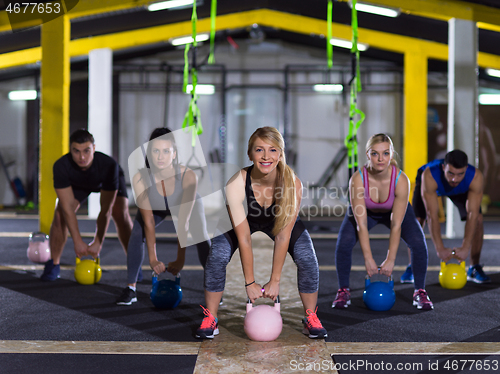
376,9
172,4
22,95
189,39
347,44
489,99
328,88
493,72
201,89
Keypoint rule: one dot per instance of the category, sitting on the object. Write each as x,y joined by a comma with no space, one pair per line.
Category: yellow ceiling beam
19,58
444,10
91,7
378,39
81,9
487,17
265,17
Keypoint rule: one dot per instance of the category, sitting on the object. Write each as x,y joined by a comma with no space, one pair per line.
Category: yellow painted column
415,113
54,110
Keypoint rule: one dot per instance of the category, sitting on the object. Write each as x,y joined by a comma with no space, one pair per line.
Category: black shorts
82,194
458,200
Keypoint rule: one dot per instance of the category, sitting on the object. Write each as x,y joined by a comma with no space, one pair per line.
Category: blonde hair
381,138
286,202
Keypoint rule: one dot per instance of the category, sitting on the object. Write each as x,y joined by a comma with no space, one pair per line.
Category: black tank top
158,201
258,216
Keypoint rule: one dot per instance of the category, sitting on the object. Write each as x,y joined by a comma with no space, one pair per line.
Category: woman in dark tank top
158,188
264,197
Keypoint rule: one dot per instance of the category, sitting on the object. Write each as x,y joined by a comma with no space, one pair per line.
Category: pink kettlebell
38,248
263,323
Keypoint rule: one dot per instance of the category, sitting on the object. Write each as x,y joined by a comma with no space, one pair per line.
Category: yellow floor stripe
413,348
99,347
168,235
103,267
26,234
199,267
386,236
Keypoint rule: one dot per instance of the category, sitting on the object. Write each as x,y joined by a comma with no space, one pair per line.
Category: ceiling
431,29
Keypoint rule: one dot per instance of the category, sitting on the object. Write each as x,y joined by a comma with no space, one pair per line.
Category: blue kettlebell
379,296
166,293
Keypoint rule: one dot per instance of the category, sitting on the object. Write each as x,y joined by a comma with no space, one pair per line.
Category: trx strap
213,14
329,46
192,119
351,141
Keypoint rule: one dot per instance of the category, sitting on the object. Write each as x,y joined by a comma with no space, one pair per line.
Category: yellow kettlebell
88,271
453,276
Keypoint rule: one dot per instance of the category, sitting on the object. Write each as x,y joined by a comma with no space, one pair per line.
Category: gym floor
66,327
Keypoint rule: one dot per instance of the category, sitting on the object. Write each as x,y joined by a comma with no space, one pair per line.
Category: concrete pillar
463,127
100,109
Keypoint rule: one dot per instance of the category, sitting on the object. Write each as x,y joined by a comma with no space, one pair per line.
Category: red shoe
209,326
312,326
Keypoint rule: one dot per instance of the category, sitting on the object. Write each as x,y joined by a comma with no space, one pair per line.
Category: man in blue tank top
76,175
463,184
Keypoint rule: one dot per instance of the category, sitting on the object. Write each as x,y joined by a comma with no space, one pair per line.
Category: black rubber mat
95,364
421,364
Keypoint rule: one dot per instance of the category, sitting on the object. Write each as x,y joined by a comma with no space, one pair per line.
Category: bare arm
398,213
66,202
359,210
474,198
430,198
107,200
142,199
189,186
236,199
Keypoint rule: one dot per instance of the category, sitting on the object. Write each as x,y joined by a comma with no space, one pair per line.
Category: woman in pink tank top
379,194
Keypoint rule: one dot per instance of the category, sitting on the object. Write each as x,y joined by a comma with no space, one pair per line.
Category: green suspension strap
213,14
351,141
329,46
192,119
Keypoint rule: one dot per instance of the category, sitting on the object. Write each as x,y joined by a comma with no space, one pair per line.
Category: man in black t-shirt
76,175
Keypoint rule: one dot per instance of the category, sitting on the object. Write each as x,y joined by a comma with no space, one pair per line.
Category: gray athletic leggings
136,244
301,249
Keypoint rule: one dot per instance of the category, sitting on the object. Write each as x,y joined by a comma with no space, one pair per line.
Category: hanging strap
329,46
192,119
213,14
351,141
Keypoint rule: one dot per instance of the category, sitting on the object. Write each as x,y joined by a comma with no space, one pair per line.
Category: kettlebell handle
154,277
38,233
96,260
389,278
277,301
277,306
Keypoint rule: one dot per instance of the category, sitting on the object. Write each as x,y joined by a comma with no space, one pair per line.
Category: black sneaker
127,297
51,272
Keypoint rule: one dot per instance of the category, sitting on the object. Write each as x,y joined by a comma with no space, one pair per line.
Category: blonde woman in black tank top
264,197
